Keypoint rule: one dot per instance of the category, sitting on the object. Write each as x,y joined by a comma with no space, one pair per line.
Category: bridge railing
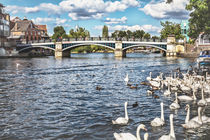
91,39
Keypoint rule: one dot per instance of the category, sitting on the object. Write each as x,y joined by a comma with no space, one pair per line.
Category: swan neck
202,94
199,114
138,133
172,127
194,97
187,116
162,113
126,112
176,100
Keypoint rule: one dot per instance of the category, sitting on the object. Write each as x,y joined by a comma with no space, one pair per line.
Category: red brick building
26,30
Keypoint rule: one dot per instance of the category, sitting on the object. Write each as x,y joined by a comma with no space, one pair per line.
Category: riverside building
4,26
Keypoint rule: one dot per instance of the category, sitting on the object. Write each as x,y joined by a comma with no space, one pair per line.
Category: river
48,98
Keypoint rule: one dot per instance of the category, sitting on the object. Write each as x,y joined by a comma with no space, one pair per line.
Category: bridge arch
83,44
32,47
142,45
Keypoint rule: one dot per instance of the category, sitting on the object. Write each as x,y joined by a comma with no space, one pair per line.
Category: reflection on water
45,98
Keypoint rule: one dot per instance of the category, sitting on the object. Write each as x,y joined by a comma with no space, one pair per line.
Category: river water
48,98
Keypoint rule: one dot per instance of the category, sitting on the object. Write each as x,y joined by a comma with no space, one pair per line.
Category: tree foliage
170,28
129,34
105,32
59,32
79,32
199,17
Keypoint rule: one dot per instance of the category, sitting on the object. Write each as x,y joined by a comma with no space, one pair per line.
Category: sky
94,14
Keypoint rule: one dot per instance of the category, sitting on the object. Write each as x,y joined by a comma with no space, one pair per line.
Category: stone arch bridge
62,49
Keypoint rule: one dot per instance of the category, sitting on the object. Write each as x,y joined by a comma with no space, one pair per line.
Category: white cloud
60,21
115,20
51,8
78,9
57,21
146,28
39,20
162,10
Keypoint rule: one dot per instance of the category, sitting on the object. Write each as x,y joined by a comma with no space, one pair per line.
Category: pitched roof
22,25
42,27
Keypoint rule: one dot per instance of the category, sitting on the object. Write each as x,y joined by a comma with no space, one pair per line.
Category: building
4,26
43,30
185,28
26,30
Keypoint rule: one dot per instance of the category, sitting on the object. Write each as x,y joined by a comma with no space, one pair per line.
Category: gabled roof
22,25
42,27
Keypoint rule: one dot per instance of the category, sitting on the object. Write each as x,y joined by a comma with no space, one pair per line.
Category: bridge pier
171,46
59,53
119,52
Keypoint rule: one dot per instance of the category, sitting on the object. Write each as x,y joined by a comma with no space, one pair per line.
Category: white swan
126,79
187,98
121,120
175,104
146,136
203,118
193,123
17,65
159,121
202,102
129,136
171,136
167,92
150,77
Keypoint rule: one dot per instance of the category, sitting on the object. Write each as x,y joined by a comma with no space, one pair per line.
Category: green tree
105,32
155,37
147,36
129,34
139,34
59,32
80,32
170,28
199,17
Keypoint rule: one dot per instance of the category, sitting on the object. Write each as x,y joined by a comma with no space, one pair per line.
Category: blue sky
94,14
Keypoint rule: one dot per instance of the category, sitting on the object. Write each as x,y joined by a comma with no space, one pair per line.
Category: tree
129,34
105,32
80,32
139,34
147,36
59,32
170,28
155,37
199,17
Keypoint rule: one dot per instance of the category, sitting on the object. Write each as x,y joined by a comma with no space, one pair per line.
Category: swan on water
122,120
202,102
171,136
146,136
126,79
175,104
150,77
187,98
159,121
167,92
193,123
129,136
17,65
